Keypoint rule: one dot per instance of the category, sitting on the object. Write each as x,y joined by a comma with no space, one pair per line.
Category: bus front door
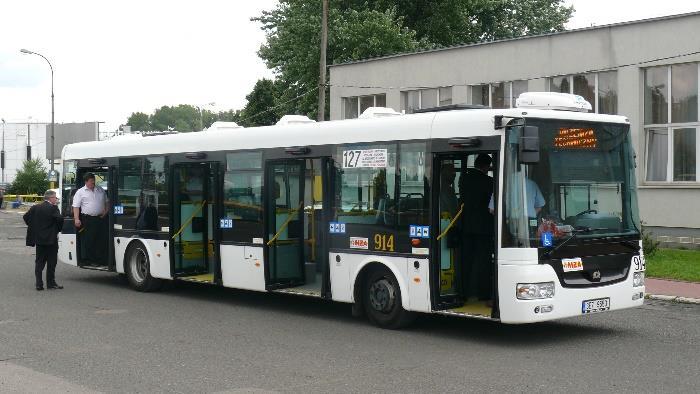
463,249
98,240
193,234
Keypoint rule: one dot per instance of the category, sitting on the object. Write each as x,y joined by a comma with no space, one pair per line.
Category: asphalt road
98,335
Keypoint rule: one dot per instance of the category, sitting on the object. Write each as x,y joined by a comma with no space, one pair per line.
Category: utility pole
2,158
322,66
29,142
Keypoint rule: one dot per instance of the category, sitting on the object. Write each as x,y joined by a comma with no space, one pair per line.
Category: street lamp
52,112
201,114
2,159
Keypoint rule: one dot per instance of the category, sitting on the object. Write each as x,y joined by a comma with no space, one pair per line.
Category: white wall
16,146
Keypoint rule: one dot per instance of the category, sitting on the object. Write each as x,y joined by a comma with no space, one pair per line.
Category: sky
114,58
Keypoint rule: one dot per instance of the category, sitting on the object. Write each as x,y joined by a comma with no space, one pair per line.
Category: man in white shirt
90,207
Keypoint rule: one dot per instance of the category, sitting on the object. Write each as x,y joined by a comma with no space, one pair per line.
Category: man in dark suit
44,221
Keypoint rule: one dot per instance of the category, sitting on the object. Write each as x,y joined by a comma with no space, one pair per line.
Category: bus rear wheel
138,269
382,300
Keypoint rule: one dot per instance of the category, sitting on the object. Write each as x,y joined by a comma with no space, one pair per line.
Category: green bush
649,245
31,179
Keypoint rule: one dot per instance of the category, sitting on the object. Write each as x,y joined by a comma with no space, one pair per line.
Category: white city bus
388,213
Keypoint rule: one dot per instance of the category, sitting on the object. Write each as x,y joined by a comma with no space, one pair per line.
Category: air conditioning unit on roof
552,100
379,112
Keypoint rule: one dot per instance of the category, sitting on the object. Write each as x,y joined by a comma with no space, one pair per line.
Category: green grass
675,264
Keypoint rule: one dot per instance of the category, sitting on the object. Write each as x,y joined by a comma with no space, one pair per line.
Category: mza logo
359,243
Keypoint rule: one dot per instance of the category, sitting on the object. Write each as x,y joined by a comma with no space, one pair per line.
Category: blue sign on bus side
226,223
418,231
337,228
546,239
118,209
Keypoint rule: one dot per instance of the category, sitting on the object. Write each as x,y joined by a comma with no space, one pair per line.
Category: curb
682,300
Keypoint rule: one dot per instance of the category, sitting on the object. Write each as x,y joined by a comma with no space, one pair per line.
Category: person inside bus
147,218
90,207
476,188
448,197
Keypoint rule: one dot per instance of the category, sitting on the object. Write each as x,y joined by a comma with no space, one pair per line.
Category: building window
480,95
354,106
656,95
599,89
411,100
684,93
671,122
607,93
497,94
445,95
657,154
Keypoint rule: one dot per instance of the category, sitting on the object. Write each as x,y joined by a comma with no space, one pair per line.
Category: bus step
471,309
301,292
203,278
96,267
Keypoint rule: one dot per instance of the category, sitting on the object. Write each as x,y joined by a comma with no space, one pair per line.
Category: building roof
461,46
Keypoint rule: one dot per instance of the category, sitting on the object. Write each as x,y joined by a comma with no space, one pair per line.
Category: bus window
153,208
413,188
243,196
128,191
367,192
69,186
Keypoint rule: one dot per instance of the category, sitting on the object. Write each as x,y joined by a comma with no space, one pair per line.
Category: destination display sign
365,158
576,138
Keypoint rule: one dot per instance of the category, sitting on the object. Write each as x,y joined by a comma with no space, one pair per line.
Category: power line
278,105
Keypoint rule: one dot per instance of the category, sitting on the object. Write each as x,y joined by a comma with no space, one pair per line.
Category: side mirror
529,146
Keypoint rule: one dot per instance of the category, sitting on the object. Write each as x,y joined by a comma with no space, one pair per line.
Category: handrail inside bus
285,224
452,223
197,211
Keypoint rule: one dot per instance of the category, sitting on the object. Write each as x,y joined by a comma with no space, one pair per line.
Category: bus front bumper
566,302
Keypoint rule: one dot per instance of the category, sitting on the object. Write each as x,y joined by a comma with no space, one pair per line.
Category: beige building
647,70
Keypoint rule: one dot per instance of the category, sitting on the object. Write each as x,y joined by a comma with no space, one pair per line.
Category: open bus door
72,246
298,199
463,267
195,232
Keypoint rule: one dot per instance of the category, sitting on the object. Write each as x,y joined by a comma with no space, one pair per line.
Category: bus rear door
297,209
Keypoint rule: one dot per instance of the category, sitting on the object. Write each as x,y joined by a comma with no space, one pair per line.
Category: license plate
596,305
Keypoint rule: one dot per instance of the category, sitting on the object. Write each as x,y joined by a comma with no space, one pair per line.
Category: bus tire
381,297
138,269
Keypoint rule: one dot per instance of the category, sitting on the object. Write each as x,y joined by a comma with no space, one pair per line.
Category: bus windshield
584,184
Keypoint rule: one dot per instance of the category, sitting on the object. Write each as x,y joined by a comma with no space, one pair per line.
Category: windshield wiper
574,232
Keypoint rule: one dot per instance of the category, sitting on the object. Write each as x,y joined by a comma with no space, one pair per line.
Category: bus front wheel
382,300
138,269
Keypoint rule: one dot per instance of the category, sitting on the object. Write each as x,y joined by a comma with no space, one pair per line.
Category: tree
453,22
360,29
260,109
292,49
31,179
139,121
182,118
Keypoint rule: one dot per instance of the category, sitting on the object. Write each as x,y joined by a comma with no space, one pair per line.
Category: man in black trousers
44,221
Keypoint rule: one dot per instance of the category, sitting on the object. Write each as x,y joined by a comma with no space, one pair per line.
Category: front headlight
534,291
638,279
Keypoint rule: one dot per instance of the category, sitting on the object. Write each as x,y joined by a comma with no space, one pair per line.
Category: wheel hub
139,266
382,295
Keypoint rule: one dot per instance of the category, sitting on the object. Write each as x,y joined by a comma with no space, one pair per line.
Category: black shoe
39,288
54,287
